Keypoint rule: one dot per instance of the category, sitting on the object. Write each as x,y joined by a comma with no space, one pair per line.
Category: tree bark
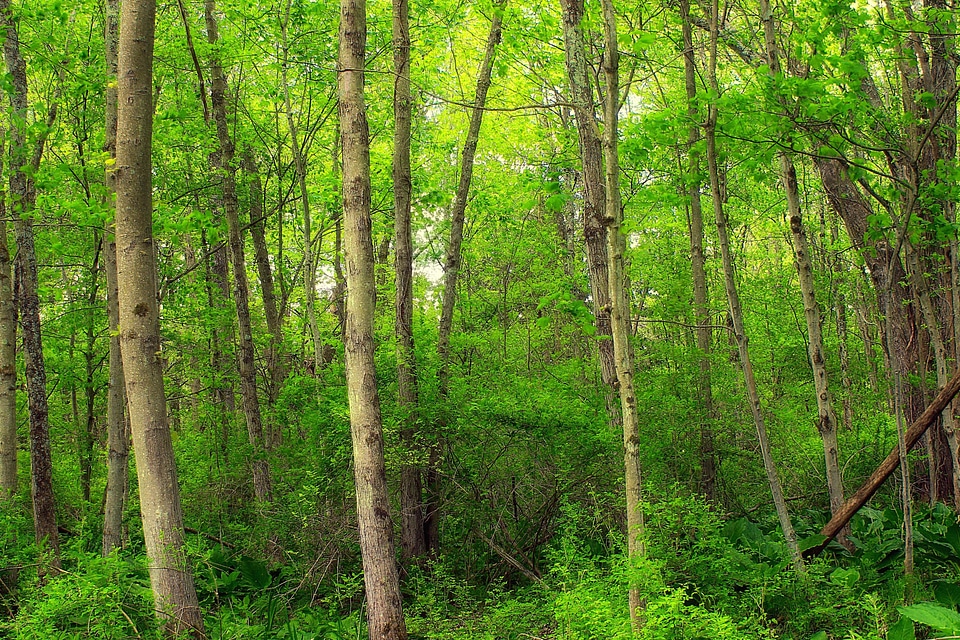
595,228
22,200
8,366
274,354
736,312
451,263
299,165
118,447
381,577
412,543
241,288
170,574
942,359
620,315
701,302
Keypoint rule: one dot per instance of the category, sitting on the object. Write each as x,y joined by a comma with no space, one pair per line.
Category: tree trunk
274,354
451,264
22,199
840,307
8,365
221,343
241,289
620,306
170,576
701,302
118,448
384,609
736,312
411,490
299,165
827,421
594,224
941,358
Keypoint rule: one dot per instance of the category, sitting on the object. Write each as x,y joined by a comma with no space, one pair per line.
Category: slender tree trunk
8,365
274,354
595,227
840,307
411,490
170,575
118,448
339,281
620,306
241,288
22,199
451,264
221,342
941,359
827,422
736,312
299,165
384,609
701,303
87,434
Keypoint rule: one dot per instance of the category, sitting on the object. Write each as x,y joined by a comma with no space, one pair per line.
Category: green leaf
819,635
902,630
643,42
947,594
255,573
933,615
927,100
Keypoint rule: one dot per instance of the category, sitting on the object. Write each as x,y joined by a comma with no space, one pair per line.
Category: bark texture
170,573
8,368
118,437
594,223
701,301
241,288
412,542
22,199
620,306
736,311
381,576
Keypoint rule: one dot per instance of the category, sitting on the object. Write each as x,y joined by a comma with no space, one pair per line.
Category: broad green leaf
902,630
933,615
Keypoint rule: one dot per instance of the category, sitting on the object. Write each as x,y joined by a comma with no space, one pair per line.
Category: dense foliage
527,461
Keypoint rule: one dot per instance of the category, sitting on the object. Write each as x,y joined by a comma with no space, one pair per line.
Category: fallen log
887,467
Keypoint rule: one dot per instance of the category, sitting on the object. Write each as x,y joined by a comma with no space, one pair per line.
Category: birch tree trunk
241,288
381,577
170,575
22,200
